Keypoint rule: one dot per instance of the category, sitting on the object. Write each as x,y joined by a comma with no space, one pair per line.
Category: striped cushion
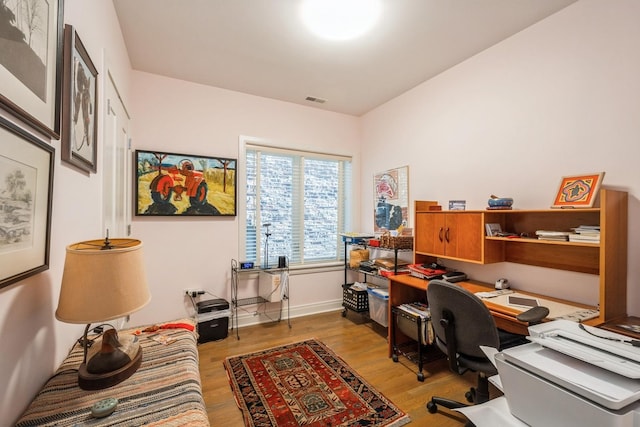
165,390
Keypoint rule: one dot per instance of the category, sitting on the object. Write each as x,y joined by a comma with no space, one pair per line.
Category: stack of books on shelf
586,234
560,236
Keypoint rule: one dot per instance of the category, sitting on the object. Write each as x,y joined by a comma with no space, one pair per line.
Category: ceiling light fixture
340,19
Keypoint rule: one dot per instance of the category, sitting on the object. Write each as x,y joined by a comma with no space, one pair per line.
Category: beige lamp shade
102,280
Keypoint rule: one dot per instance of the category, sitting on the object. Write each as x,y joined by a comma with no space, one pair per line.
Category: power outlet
193,292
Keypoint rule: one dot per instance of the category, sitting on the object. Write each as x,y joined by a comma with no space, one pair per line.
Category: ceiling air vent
314,99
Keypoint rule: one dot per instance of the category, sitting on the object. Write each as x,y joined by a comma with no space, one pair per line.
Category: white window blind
296,204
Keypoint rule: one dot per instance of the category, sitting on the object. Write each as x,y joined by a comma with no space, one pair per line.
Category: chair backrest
473,324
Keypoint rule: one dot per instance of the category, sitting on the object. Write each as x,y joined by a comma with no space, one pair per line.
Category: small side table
236,302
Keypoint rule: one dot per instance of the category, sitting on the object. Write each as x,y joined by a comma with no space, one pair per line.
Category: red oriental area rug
306,384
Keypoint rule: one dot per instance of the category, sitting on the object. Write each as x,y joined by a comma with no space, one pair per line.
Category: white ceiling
260,47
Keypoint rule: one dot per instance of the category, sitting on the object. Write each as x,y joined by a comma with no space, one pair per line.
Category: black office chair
461,324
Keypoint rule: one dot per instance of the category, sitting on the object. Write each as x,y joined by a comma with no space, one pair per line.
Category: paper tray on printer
603,350
603,387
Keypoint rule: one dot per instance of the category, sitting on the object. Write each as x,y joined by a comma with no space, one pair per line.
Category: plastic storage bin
378,305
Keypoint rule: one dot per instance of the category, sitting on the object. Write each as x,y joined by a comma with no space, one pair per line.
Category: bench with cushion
165,390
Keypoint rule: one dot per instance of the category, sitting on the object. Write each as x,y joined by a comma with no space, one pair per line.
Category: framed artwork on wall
391,199
26,187
31,62
578,191
173,184
79,105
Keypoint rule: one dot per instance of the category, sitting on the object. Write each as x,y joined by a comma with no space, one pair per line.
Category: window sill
316,268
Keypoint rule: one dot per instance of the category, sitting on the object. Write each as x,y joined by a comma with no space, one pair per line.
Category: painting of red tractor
181,184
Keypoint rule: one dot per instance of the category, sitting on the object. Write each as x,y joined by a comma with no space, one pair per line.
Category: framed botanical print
26,186
31,62
79,105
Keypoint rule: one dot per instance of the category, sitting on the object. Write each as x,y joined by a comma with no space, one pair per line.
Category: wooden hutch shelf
460,235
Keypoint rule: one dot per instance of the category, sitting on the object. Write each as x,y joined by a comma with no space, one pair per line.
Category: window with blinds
296,204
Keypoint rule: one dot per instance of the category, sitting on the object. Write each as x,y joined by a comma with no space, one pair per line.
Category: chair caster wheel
470,396
432,407
420,377
394,358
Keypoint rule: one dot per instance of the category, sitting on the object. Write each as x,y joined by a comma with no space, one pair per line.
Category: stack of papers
493,294
416,308
358,286
586,233
422,272
562,236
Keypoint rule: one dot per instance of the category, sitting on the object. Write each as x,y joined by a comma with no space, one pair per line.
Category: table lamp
104,280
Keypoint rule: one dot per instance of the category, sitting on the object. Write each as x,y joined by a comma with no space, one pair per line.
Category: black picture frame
31,65
175,184
26,191
79,105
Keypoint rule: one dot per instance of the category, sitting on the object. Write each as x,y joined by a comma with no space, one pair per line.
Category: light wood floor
362,344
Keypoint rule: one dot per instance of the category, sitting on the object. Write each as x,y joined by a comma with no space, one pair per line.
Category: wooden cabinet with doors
460,235
455,235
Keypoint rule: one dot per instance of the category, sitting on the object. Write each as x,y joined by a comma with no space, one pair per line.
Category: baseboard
270,312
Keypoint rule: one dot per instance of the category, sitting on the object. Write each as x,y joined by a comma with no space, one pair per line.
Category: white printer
572,375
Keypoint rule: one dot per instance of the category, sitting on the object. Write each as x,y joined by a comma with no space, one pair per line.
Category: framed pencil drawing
79,105
26,186
173,184
578,191
31,62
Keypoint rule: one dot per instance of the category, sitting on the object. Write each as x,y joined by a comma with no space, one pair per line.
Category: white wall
560,98
33,341
180,117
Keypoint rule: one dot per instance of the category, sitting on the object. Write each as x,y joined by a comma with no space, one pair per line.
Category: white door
117,165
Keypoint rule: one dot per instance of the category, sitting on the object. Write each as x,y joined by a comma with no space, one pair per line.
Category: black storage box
212,305
355,300
213,320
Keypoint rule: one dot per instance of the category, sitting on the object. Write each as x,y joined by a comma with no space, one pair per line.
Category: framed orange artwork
578,191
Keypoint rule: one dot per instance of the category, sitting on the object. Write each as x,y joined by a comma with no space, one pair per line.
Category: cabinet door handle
440,234
446,235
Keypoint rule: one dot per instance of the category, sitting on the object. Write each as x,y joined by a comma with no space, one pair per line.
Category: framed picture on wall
391,199
79,105
173,184
578,191
31,62
26,186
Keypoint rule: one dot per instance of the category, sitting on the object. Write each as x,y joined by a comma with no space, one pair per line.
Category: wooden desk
405,288
629,326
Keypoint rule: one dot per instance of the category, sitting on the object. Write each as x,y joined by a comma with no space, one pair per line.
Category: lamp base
89,381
